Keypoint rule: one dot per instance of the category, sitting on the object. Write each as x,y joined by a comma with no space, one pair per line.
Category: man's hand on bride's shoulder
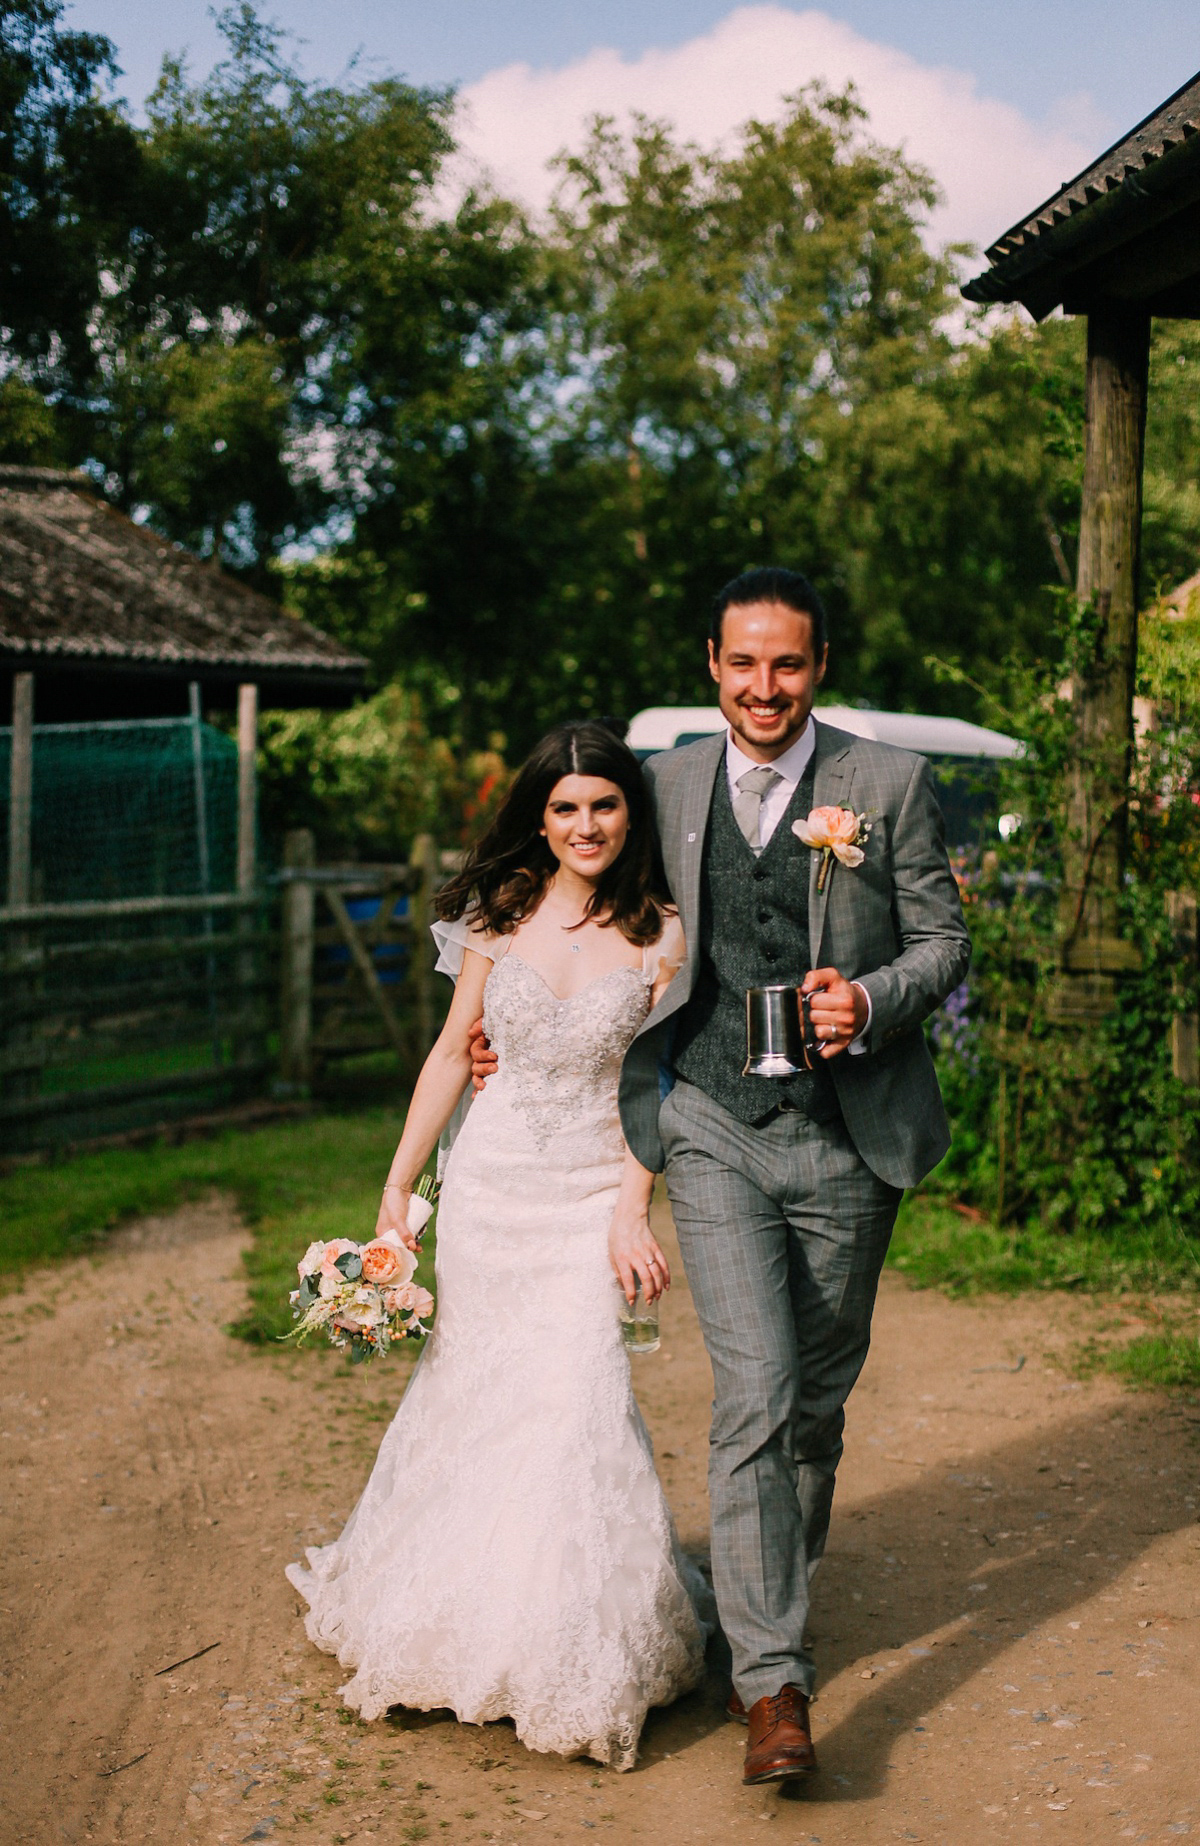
636,1255
484,1062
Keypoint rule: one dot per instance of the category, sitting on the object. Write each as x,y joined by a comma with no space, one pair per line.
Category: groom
784,1192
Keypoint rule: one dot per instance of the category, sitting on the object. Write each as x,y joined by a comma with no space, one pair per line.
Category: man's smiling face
766,675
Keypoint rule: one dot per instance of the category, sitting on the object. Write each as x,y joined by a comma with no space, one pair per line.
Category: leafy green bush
369,779
1080,1128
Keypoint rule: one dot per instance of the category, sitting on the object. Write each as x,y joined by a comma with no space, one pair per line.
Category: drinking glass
639,1322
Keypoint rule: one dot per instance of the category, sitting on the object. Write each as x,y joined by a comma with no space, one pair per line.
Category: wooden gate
356,960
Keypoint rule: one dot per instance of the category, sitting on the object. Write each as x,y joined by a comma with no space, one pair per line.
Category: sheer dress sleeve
663,959
454,939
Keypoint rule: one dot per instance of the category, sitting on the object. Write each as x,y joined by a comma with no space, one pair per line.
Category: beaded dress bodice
560,1059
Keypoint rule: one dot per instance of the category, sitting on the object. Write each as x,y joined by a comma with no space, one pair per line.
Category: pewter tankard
779,1033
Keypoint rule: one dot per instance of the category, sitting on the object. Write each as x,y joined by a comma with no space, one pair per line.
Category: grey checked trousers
783,1229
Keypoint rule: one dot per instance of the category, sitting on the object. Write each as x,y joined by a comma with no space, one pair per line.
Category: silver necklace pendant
576,948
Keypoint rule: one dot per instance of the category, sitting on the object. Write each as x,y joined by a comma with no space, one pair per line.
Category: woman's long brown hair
510,866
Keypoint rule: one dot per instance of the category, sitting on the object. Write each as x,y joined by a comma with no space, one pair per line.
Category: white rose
363,1309
310,1262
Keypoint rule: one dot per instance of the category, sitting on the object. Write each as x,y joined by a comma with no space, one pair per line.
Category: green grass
1158,1361
321,1176
293,1181
936,1245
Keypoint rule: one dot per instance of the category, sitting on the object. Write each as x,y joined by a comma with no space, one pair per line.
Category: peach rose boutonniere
836,833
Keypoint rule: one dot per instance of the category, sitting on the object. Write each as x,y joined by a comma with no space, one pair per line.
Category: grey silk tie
753,788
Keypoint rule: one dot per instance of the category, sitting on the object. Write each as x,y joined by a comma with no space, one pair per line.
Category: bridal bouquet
362,1296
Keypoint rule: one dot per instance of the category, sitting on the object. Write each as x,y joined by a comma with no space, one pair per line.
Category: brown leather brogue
735,1709
779,1746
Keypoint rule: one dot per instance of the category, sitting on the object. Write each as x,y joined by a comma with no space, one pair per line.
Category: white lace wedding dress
512,1554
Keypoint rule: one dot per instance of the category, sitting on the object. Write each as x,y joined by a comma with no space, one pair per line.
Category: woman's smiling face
586,824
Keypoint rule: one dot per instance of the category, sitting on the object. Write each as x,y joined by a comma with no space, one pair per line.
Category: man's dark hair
771,585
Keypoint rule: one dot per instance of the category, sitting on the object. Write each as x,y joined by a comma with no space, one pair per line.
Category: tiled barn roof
1127,186
80,581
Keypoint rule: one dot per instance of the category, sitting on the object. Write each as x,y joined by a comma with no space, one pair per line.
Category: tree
68,161
275,216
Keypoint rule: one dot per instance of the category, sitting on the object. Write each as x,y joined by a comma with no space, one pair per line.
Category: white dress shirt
789,767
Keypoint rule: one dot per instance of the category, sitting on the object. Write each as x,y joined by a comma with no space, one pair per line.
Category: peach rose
422,1303
381,1263
400,1300
337,1246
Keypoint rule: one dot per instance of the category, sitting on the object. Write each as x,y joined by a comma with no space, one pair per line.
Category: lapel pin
691,839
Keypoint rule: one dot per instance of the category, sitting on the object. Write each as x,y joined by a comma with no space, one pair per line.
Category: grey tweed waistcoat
753,933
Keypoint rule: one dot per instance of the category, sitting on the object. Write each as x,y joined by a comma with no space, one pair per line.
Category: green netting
134,808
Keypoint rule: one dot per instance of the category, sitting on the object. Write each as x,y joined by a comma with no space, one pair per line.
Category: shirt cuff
858,1045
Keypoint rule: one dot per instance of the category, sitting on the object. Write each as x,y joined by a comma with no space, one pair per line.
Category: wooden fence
114,1013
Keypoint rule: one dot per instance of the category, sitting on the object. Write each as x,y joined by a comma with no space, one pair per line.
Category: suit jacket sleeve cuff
858,1045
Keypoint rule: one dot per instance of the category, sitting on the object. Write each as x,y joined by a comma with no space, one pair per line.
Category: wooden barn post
1102,687
296,960
250,1039
247,817
20,794
423,860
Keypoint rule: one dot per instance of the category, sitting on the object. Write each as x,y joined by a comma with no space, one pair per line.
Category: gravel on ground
1007,1623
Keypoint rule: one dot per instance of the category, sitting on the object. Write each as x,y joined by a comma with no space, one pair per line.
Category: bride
512,1554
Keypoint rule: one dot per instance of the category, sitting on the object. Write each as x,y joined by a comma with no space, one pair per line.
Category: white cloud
991,162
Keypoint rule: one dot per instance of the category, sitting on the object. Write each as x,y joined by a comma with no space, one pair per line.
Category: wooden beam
20,793
1102,686
1163,256
128,907
421,958
87,1102
247,819
296,962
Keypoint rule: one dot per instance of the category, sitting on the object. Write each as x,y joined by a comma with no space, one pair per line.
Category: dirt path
1008,1623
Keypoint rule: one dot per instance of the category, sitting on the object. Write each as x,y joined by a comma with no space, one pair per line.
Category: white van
664,727
964,755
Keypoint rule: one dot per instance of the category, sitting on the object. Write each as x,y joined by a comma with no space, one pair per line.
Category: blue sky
1030,53
1001,102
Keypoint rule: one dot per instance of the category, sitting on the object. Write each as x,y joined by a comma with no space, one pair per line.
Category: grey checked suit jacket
894,923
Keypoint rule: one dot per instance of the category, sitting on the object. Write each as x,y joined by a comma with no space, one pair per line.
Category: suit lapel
833,774
694,810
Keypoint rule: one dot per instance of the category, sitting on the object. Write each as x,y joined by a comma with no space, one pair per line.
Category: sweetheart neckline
566,999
